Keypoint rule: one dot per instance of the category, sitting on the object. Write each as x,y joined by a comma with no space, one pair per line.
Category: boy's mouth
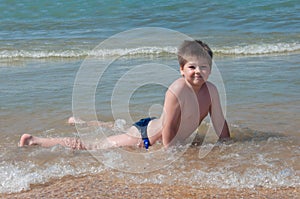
198,77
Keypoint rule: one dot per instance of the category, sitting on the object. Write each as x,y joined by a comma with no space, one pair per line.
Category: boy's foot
72,121
26,139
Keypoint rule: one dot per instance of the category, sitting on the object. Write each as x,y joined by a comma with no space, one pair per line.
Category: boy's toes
25,140
73,121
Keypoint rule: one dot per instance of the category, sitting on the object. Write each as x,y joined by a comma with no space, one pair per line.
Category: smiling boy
188,101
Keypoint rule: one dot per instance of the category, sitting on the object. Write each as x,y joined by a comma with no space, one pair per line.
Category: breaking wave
251,49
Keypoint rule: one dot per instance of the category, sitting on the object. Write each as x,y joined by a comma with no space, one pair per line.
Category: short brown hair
193,48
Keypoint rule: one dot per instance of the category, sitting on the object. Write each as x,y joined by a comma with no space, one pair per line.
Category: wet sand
99,186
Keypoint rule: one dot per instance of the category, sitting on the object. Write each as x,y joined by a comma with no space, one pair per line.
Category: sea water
256,44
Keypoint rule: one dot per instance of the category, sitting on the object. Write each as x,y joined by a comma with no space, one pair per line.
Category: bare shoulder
211,87
213,91
177,86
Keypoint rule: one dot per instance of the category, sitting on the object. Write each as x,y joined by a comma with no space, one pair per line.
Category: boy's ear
210,70
181,71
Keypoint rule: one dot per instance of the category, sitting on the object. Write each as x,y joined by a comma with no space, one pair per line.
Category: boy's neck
196,89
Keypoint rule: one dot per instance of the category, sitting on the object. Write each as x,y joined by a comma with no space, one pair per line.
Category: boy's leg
130,138
69,142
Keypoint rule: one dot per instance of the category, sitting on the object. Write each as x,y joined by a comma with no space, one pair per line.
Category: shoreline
101,186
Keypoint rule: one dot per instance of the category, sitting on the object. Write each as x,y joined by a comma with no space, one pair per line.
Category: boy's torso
194,108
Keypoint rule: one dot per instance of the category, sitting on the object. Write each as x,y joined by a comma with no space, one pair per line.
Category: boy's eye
203,67
200,67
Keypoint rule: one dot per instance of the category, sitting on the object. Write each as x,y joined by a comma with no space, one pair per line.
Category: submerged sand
99,186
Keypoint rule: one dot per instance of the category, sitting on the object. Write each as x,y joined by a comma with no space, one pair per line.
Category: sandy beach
99,186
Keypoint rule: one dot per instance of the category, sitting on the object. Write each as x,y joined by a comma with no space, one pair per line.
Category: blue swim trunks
142,127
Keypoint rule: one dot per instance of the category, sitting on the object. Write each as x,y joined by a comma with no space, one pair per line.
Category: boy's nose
197,69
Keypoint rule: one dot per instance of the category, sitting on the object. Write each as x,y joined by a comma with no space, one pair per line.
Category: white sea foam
221,178
236,168
16,177
259,49
251,49
84,53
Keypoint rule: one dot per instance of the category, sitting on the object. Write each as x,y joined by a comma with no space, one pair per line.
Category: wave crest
259,49
253,49
84,53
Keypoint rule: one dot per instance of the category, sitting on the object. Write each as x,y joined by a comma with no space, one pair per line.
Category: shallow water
251,159
264,150
256,45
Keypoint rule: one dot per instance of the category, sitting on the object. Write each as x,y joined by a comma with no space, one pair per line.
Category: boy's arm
216,114
171,118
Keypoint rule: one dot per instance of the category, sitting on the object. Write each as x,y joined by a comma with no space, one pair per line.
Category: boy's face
196,71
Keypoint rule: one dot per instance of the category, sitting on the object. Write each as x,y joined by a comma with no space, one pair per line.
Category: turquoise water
71,29
256,45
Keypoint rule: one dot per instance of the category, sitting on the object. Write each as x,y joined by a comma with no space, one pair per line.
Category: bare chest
196,107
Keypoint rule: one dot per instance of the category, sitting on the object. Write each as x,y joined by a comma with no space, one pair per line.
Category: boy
188,101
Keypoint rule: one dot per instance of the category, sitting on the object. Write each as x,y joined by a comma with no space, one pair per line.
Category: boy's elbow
166,142
168,138
225,131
